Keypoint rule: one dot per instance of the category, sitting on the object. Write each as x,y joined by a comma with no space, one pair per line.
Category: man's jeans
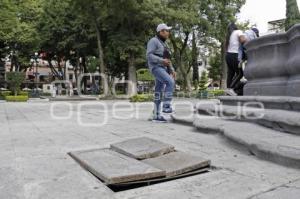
164,88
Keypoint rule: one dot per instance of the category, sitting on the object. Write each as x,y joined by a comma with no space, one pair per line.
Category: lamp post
36,59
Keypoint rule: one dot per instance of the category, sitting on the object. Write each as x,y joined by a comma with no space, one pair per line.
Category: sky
260,12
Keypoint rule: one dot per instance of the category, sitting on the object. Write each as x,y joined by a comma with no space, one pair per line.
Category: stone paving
35,139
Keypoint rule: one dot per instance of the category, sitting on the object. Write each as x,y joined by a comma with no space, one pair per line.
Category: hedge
3,94
210,94
144,75
18,98
23,93
142,98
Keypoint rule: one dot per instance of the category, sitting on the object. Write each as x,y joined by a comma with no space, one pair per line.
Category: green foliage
18,98
144,75
23,93
203,81
15,80
63,29
19,34
210,94
215,68
223,13
292,14
182,94
216,93
142,98
3,94
115,32
92,64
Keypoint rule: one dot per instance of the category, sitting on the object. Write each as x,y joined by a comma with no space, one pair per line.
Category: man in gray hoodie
159,63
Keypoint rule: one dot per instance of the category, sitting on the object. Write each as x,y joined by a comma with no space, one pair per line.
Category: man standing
159,63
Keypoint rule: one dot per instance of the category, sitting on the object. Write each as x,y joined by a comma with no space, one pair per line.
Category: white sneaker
230,92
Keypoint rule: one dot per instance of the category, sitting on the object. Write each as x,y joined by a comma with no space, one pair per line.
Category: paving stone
142,148
114,168
177,163
280,193
57,176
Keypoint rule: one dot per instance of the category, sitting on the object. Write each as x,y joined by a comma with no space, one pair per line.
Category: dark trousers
233,68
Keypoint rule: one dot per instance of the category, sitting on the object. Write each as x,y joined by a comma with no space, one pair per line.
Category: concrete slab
177,163
279,193
142,148
113,168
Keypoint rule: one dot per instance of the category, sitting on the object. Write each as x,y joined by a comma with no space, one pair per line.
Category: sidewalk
34,162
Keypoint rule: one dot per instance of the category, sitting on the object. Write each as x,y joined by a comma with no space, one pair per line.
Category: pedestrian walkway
35,139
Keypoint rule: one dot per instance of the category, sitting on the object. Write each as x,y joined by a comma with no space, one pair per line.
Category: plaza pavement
36,137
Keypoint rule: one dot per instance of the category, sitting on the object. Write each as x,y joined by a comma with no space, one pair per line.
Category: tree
15,79
292,14
203,81
186,17
224,12
95,12
18,34
131,24
67,35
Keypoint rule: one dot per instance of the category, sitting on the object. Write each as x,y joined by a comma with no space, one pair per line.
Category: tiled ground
36,137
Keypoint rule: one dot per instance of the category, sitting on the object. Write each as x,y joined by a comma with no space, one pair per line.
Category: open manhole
139,162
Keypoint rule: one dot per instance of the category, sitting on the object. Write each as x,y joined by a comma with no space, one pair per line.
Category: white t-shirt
234,42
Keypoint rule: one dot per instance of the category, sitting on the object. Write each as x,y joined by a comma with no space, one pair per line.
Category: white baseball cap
163,26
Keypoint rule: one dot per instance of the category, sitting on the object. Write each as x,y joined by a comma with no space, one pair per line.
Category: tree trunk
100,49
65,71
195,62
132,85
60,68
223,82
76,71
179,63
84,72
12,62
101,59
53,70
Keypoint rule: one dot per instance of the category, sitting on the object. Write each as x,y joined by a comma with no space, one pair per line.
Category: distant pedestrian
160,65
54,90
71,91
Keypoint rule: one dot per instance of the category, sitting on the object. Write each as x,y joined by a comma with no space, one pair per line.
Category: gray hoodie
155,53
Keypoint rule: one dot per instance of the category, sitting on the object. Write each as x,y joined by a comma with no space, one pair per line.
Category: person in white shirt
239,81
235,38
